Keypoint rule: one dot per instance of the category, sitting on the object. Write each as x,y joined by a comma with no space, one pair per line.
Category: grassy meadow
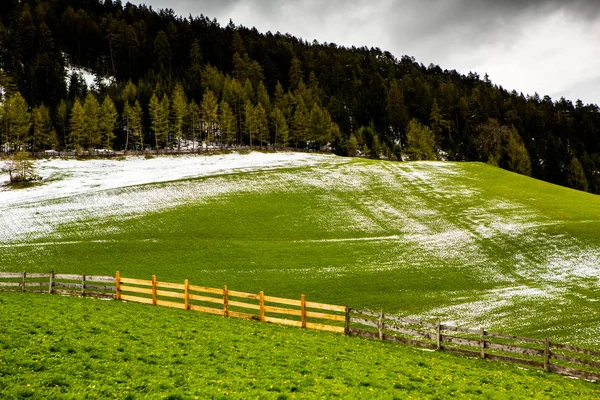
467,242
54,347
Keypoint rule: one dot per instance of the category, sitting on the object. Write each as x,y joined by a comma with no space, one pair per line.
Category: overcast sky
547,46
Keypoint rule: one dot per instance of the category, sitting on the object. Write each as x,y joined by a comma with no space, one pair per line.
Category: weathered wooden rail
67,284
539,353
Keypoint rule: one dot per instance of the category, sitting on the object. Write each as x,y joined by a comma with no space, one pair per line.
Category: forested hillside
172,80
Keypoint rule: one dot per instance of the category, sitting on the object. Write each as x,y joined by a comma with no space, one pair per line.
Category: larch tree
227,123
154,111
107,122
194,122
420,142
300,121
62,120
209,114
250,123
576,178
280,128
164,123
18,121
77,126
91,110
262,124
44,135
516,155
179,107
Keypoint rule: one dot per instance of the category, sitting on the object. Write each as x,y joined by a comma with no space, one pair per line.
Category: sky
551,47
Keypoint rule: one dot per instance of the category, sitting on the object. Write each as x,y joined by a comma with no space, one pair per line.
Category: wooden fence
540,353
68,284
229,303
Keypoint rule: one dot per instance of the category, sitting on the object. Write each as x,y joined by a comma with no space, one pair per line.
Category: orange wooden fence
230,303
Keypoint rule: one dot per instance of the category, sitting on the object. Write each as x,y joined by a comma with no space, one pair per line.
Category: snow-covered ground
68,177
76,191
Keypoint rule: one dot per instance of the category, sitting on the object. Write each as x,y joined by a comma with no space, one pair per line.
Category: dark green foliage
353,86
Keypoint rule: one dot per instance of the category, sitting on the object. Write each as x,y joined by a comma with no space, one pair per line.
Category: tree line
179,81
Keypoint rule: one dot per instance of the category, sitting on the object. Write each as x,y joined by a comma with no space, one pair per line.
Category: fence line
67,284
540,353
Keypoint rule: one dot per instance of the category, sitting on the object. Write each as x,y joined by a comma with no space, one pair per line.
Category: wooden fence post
225,302
153,290
546,354
186,294
82,285
380,325
347,322
118,285
23,282
261,298
51,281
482,342
303,310
439,334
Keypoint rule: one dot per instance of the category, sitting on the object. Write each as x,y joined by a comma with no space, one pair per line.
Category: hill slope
470,243
57,347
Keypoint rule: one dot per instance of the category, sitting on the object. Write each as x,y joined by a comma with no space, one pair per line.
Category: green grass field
470,243
54,347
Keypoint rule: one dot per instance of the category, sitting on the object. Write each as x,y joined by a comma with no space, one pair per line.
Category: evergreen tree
352,146
91,110
44,135
76,126
576,175
280,128
300,121
107,122
517,158
18,121
163,123
262,124
396,112
194,118
154,111
227,123
420,141
250,122
179,106
209,112
62,120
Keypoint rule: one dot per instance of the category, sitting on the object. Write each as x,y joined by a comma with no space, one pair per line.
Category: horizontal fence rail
230,303
66,284
540,353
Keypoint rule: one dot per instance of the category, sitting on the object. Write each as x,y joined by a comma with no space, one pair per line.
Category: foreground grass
61,347
467,242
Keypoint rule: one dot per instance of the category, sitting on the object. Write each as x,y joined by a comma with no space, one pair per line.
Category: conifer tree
420,141
62,120
44,135
107,122
76,126
179,106
154,111
227,123
18,121
262,124
209,113
194,122
280,127
300,121
517,157
250,122
163,122
352,146
91,110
